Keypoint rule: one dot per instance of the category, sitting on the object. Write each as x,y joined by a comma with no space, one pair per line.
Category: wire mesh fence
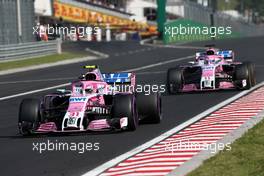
10,25
199,13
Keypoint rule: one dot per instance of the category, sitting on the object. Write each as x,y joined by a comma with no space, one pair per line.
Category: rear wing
121,82
119,78
227,54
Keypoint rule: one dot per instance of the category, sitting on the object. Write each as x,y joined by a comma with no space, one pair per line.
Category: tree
254,5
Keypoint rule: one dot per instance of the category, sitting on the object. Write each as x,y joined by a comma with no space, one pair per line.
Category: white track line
151,73
65,78
100,169
97,53
160,63
177,46
33,91
66,84
36,80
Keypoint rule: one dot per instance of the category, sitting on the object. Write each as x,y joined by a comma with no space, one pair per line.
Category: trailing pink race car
212,70
94,103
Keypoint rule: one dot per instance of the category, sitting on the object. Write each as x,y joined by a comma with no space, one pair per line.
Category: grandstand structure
102,13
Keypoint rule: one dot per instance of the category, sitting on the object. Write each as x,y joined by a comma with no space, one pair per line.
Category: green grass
246,158
38,61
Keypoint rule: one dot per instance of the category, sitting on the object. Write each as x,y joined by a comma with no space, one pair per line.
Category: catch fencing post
59,46
89,34
99,35
108,33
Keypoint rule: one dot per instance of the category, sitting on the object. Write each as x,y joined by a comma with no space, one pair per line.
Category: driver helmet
90,77
211,51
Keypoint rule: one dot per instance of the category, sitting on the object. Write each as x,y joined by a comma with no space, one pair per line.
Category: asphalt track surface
16,154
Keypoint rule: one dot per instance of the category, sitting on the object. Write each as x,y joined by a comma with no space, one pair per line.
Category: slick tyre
174,80
149,107
29,116
244,76
125,106
252,71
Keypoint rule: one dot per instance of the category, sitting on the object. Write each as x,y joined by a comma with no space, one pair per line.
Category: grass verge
38,61
245,158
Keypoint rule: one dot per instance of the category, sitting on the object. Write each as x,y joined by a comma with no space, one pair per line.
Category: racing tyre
174,80
125,106
29,116
149,107
252,71
244,76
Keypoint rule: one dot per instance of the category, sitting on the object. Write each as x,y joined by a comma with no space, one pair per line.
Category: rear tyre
244,76
149,107
29,116
124,106
174,80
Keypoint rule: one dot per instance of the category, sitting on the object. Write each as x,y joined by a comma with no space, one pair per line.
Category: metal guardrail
29,50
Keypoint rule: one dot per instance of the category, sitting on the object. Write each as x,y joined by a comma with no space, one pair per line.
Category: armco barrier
29,50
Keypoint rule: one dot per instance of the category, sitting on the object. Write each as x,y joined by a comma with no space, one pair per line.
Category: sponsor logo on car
78,99
208,67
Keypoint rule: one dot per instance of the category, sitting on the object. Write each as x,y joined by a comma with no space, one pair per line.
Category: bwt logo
78,99
208,68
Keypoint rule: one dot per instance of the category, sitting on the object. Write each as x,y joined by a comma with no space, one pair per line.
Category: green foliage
255,5
245,158
38,61
229,5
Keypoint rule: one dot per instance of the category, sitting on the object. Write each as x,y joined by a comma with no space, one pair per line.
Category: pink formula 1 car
211,70
94,103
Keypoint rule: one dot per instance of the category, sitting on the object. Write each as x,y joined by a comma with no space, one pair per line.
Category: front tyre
174,80
244,76
252,71
29,116
125,106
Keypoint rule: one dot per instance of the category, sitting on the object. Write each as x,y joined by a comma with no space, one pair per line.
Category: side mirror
64,91
81,77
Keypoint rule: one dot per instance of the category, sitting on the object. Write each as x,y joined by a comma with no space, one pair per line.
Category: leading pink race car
96,102
212,70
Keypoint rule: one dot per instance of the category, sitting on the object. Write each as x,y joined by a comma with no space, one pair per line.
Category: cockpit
90,77
210,52
208,60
